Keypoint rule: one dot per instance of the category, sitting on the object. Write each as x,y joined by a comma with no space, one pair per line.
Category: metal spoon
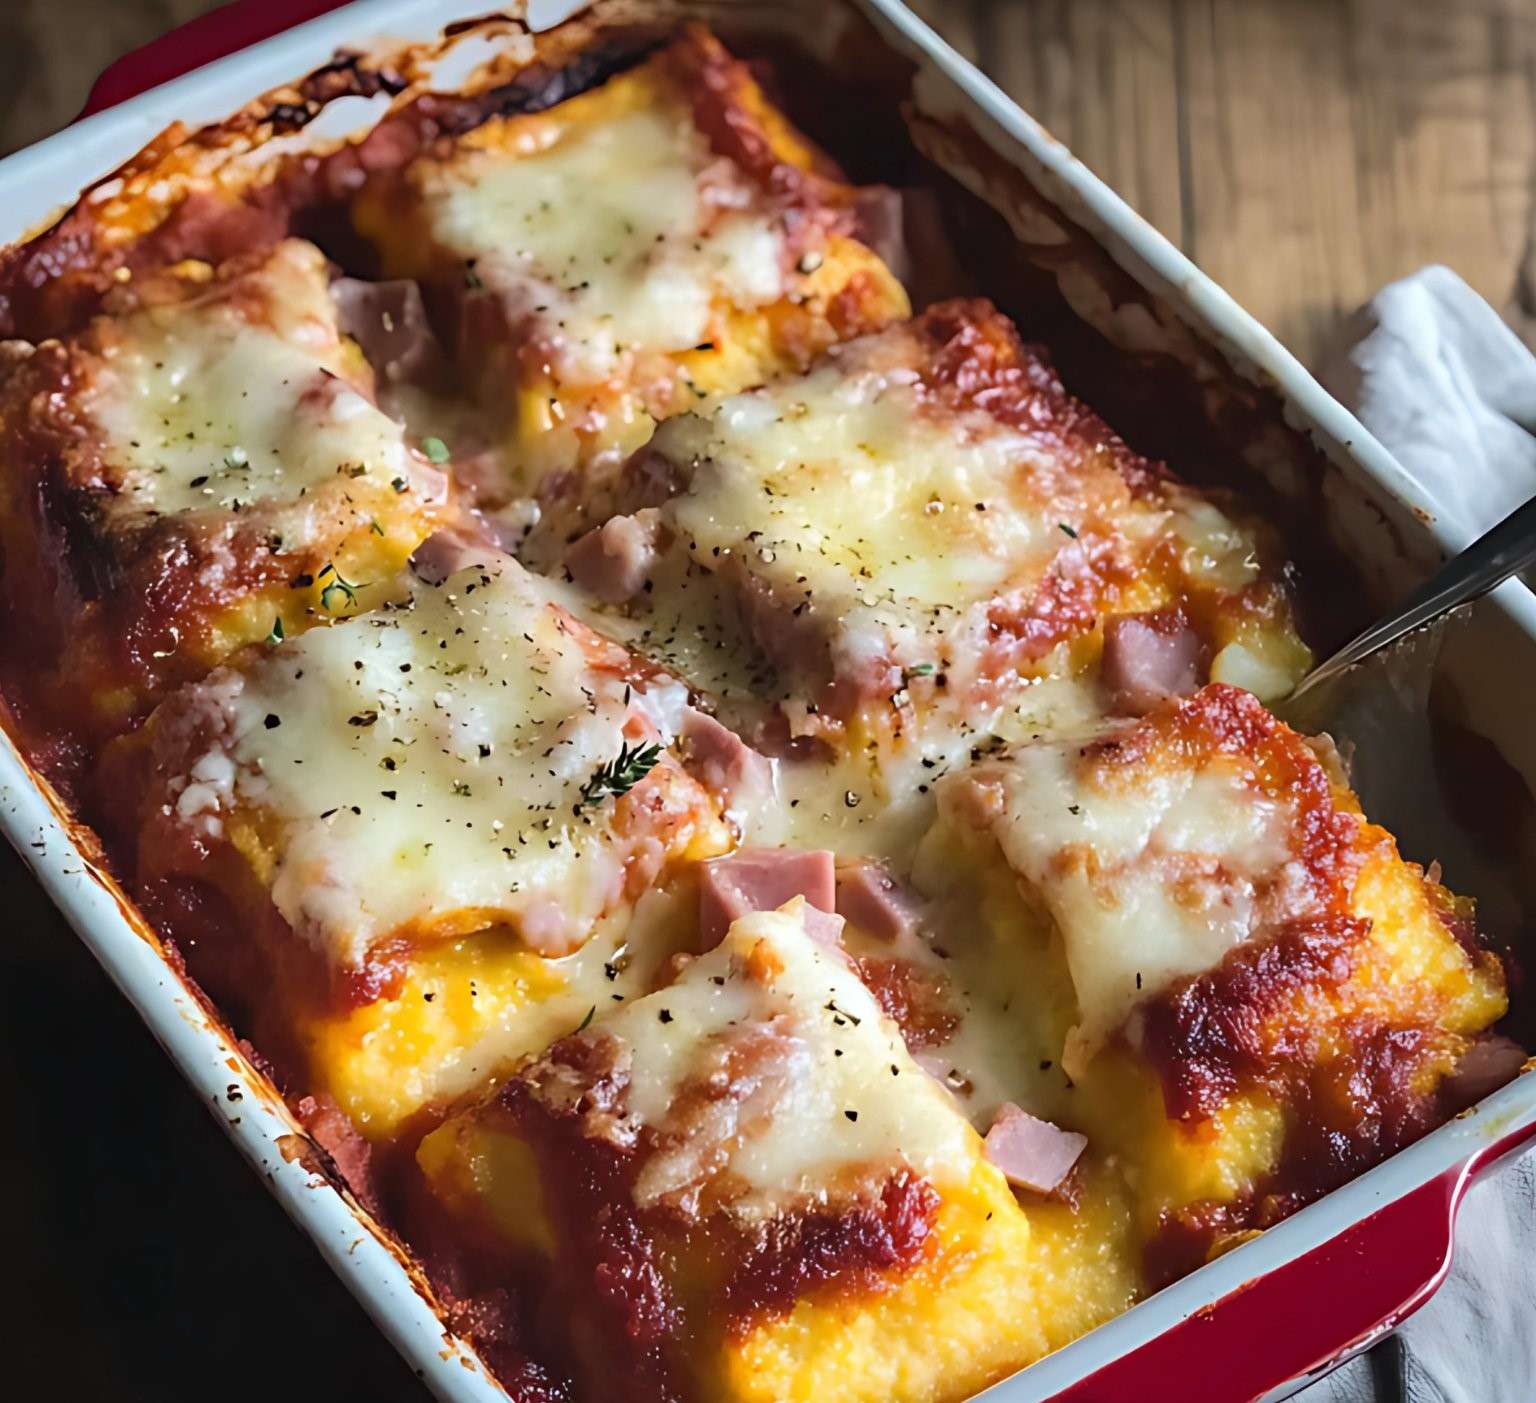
1490,560
1372,698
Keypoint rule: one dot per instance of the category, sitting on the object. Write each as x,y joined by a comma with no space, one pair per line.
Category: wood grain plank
52,50
1444,134
1102,75
1337,146
1303,151
1273,191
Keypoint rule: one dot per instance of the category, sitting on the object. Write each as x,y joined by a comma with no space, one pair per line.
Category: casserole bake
861,689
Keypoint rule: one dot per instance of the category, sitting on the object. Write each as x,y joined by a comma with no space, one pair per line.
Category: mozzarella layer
429,768
608,237
234,398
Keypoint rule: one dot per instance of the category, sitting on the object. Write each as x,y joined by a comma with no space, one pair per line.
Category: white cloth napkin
1432,372
1451,392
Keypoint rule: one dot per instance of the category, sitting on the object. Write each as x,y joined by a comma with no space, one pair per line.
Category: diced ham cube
1487,1065
870,898
445,553
763,879
724,763
824,928
1032,1153
1148,659
614,559
388,320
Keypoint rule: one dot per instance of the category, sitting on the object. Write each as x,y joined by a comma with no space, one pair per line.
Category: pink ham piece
724,763
1148,659
870,898
824,928
1490,1063
613,560
1032,1153
445,553
763,879
880,218
481,473
388,320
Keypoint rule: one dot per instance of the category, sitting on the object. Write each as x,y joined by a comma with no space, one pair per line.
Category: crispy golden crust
1307,1053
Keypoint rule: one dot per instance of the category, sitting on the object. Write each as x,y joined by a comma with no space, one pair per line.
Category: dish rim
243,1101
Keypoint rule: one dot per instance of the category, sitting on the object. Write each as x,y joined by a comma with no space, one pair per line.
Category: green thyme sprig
619,775
337,585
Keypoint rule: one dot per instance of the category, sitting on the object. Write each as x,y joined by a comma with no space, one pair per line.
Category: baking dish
1334,1250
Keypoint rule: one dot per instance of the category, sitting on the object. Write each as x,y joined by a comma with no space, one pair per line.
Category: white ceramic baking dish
1260,1320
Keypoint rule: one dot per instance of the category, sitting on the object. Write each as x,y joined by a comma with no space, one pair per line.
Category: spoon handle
1490,560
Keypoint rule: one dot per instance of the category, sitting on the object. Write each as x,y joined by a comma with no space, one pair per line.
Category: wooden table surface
1302,151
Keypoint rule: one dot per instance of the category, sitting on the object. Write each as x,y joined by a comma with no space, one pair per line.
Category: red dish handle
215,35
1311,1312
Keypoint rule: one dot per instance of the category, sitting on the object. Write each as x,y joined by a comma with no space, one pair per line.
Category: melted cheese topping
881,539
840,490
845,1100
1150,879
234,399
423,769
609,236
